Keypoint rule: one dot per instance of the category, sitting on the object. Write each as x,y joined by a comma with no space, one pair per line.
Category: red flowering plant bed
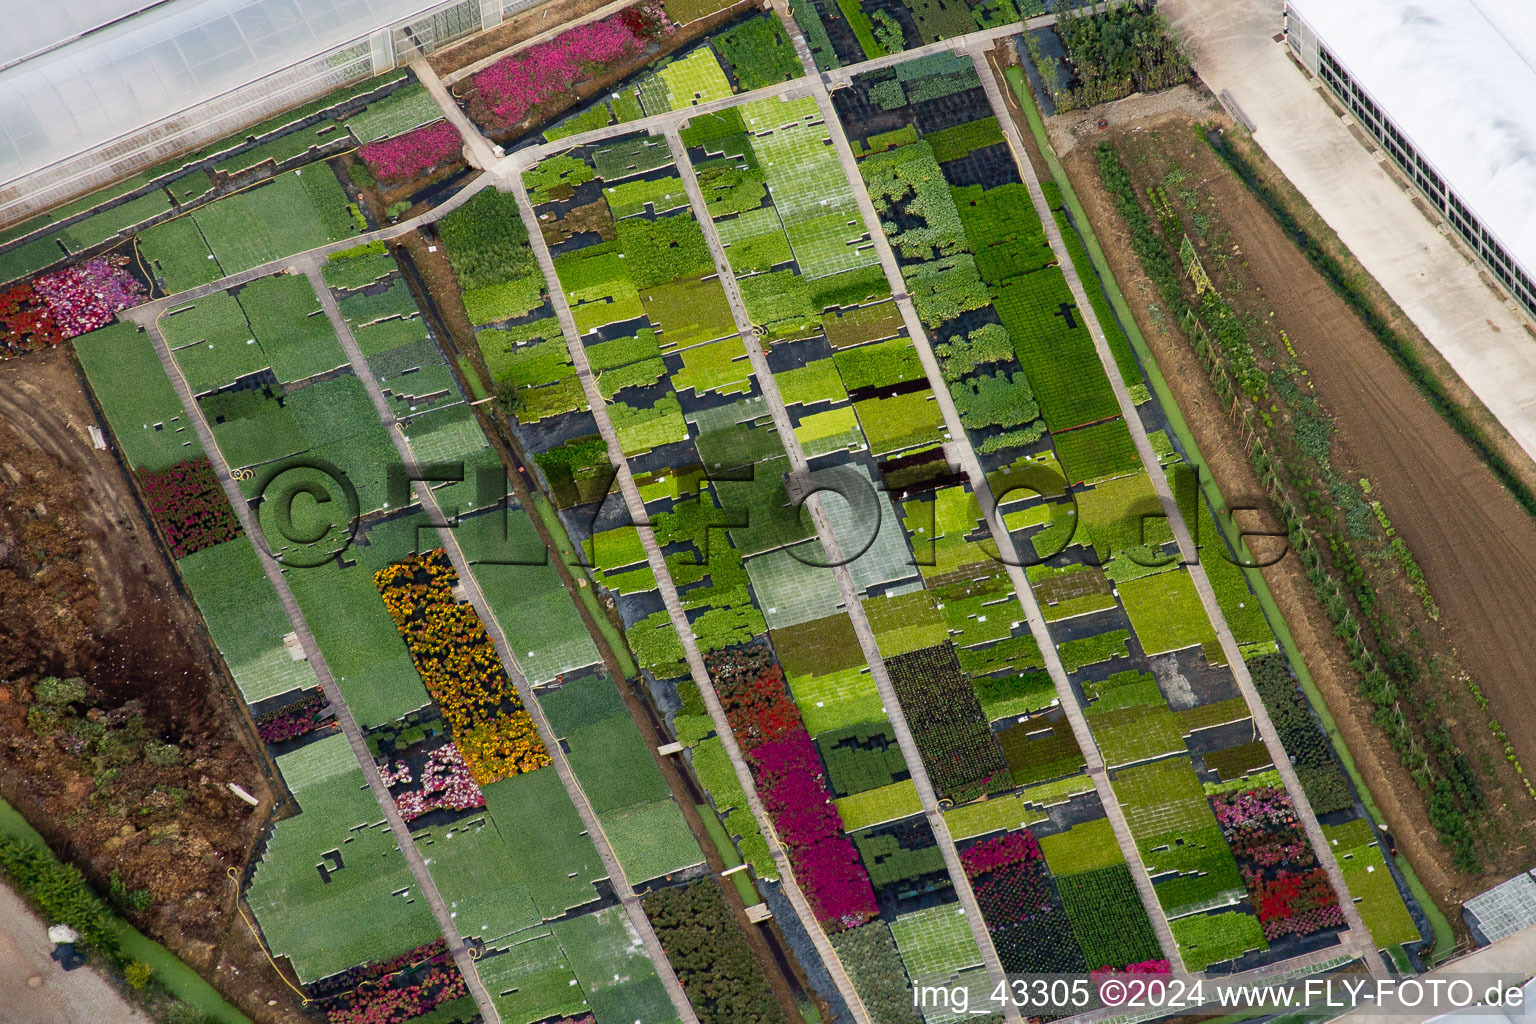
416,153
1294,903
190,505
89,295
303,716
393,991
1293,896
1020,905
790,780
458,661
26,322
751,687
504,93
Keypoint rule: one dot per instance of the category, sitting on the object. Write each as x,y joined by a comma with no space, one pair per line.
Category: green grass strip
611,634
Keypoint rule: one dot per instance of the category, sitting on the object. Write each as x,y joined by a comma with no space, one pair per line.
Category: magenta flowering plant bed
503,94
794,792
443,783
190,505
1143,967
791,781
89,295
303,716
416,153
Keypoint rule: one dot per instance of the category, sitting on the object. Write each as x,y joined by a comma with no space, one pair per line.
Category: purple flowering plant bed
416,153
89,295
503,94
190,505
1262,827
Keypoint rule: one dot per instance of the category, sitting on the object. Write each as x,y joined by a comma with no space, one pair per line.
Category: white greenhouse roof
1457,77
79,73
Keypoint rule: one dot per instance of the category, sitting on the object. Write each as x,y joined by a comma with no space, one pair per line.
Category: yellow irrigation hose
304,1000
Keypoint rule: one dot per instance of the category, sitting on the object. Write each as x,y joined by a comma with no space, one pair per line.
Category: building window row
1413,164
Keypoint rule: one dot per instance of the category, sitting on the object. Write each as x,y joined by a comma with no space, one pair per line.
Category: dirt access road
1477,547
35,990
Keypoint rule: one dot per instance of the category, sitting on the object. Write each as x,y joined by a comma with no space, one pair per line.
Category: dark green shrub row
725,984
869,953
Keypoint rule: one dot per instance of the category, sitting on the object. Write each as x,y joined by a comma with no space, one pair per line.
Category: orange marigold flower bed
458,662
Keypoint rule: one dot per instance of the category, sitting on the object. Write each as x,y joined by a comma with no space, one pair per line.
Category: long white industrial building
1448,89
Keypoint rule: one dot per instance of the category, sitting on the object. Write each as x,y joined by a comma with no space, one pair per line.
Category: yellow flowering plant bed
463,672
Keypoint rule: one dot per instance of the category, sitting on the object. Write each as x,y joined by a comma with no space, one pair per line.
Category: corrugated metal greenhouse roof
1457,77
103,68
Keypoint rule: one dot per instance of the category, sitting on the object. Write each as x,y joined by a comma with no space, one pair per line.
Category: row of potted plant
190,505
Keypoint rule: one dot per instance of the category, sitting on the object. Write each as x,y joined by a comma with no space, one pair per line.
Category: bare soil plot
87,592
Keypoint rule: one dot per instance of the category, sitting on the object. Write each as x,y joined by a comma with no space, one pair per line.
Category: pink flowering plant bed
300,718
89,295
190,505
438,781
413,155
503,95
391,991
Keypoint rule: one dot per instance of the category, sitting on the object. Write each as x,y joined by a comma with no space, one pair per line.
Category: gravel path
35,990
